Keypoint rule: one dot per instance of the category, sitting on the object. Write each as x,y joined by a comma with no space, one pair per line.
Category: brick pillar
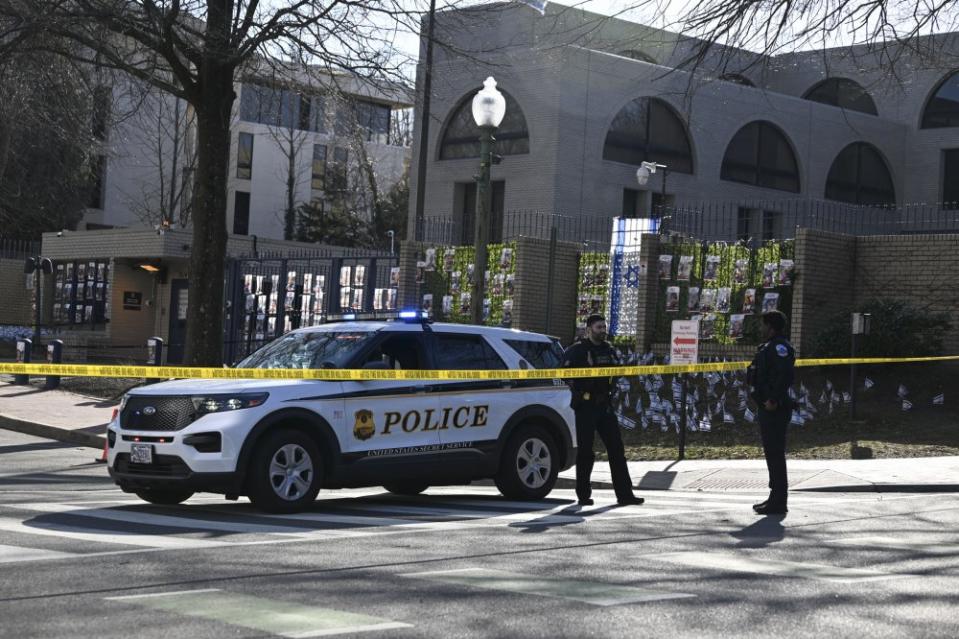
408,293
825,274
648,290
531,281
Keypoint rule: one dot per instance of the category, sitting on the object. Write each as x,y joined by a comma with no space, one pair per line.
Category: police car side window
539,354
465,352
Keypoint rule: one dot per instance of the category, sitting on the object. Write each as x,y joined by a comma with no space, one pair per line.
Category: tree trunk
204,341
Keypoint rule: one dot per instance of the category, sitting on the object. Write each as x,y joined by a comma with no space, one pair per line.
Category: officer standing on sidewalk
771,375
591,401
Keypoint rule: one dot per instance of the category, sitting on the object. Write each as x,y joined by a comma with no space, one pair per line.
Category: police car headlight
222,403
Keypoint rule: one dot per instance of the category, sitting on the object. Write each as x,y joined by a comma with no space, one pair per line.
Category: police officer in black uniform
591,400
771,375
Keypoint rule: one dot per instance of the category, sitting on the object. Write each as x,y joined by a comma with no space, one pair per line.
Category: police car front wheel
285,473
529,467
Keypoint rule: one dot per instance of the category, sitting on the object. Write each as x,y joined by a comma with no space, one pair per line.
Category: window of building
373,120
241,213
283,107
744,217
859,175
631,202
950,179
465,352
336,181
942,110
318,179
759,154
98,179
460,138
843,93
244,156
647,129
772,225
638,55
102,108
737,78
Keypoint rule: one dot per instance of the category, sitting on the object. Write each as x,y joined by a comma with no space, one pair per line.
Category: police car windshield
319,349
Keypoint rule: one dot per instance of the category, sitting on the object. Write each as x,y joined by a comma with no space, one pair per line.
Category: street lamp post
489,108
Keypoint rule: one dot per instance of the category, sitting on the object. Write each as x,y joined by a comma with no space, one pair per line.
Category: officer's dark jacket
585,354
771,371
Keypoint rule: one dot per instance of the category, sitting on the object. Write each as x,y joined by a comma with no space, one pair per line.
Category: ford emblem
149,410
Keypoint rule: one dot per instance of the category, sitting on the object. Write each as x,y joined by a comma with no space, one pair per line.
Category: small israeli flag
868,383
538,5
906,405
749,416
728,417
903,391
846,397
939,399
797,418
705,425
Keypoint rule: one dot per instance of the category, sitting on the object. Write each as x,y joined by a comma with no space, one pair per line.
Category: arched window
736,78
648,129
759,154
942,110
461,136
638,55
844,94
859,175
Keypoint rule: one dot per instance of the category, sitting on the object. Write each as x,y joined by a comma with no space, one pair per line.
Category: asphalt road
78,558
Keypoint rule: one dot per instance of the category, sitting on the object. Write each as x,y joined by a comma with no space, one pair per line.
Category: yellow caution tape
187,372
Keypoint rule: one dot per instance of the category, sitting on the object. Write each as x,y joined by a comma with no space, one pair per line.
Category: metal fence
17,249
757,220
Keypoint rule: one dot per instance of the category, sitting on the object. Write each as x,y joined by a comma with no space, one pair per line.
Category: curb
78,437
565,482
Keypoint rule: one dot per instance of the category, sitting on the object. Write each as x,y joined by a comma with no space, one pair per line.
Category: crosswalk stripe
166,521
11,554
747,563
591,592
84,533
920,542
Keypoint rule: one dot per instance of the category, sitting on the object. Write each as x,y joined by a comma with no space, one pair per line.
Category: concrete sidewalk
76,419
919,474
55,414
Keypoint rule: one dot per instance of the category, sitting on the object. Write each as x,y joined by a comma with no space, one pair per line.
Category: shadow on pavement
762,532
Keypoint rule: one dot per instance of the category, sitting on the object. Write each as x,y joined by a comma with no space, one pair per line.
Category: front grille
163,466
171,413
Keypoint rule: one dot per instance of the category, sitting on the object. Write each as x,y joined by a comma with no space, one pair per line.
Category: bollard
54,356
155,351
24,355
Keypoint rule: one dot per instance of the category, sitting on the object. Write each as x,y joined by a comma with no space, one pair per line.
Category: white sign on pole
684,342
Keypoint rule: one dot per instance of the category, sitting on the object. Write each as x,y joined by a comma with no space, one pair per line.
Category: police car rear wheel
285,476
164,497
528,469
406,488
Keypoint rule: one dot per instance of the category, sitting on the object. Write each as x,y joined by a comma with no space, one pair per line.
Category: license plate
141,454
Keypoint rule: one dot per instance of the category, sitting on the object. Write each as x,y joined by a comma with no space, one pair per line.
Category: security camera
390,233
59,233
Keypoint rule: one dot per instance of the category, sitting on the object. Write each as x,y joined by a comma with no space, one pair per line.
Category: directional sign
684,342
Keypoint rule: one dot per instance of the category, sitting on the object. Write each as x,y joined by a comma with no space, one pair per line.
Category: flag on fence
728,417
626,422
705,425
903,391
906,405
939,399
792,393
868,383
846,397
749,416
797,418
828,385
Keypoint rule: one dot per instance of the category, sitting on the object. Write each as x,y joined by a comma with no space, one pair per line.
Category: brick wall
17,298
825,280
532,279
919,269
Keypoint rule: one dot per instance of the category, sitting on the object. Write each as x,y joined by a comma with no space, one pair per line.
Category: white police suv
280,441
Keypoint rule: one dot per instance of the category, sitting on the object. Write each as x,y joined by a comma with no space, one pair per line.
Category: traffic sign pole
684,349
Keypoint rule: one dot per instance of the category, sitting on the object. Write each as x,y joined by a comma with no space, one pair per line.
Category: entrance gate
269,296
